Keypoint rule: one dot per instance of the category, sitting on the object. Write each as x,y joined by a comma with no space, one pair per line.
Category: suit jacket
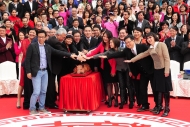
185,51
28,9
93,43
72,29
56,60
143,66
70,22
159,55
65,27
128,26
53,23
6,55
19,9
144,24
32,61
175,52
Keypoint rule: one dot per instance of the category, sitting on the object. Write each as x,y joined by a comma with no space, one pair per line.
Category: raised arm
140,56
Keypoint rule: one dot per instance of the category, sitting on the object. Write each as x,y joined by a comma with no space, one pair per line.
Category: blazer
65,27
19,8
175,52
144,24
28,9
6,55
143,66
185,51
53,23
72,29
100,49
32,61
93,43
128,26
70,22
78,45
159,55
56,60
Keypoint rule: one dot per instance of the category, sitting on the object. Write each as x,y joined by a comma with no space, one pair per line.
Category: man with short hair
76,26
25,27
141,22
74,16
54,21
38,61
6,47
60,23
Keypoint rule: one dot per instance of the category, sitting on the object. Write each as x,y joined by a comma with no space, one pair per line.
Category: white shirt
30,3
4,39
134,50
173,38
75,28
155,44
139,24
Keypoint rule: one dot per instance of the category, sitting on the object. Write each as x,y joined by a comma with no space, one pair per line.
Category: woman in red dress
24,46
15,20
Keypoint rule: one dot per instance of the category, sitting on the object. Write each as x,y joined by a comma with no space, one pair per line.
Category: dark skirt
106,73
162,83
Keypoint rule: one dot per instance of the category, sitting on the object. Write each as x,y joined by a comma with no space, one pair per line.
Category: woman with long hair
150,10
176,21
80,10
15,4
99,11
15,20
169,13
49,11
121,8
108,67
162,76
18,52
86,17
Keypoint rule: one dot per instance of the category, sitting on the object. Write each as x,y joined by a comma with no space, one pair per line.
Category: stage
103,116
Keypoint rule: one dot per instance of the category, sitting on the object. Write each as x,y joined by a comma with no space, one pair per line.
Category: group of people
130,44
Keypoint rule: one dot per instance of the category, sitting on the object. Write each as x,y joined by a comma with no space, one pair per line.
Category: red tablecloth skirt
80,93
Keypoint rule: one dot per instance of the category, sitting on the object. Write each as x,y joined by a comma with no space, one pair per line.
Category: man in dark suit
97,33
174,44
31,7
6,47
89,43
126,23
76,26
19,8
38,61
60,24
144,66
54,21
141,22
56,43
25,27
74,16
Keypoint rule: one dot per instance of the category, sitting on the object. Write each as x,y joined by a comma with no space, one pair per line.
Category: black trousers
136,90
28,90
124,82
17,70
51,95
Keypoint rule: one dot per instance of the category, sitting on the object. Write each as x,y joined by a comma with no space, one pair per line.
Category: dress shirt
61,26
173,38
75,28
122,44
134,50
140,24
88,39
43,59
4,39
155,44
30,3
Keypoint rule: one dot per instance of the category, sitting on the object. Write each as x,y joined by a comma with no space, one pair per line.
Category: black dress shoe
53,107
159,109
143,108
109,103
166,112
154,109
116,103
131,105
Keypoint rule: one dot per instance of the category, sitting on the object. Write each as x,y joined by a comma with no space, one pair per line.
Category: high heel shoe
166,112
116,103
159,109
18,106
109,103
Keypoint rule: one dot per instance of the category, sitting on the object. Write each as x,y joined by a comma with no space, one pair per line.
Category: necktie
133,52
122,44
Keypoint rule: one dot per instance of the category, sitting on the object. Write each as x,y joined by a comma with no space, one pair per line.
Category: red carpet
179,108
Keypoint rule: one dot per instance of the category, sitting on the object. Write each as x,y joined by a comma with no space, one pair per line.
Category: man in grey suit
141,22
60,24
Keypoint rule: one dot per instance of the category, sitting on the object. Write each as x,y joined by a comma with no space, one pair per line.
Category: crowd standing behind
70,31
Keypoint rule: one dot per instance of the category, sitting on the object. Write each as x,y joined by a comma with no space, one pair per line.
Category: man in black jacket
144,66
38,61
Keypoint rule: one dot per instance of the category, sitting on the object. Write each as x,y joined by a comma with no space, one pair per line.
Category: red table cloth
80,93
